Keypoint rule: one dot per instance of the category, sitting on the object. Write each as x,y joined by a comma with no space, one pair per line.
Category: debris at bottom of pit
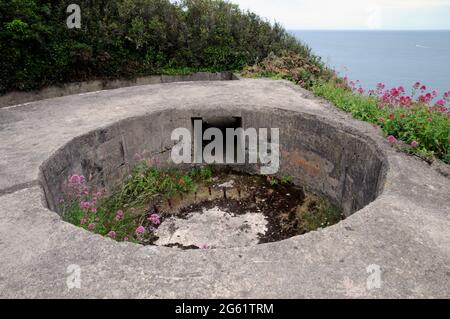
213,228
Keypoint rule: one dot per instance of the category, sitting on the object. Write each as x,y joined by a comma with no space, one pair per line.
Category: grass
120,214
361,107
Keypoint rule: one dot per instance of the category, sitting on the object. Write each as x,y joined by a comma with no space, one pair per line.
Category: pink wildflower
414,144
119,215
126,238
83,221
391,139
112,234
440,103
423,88
85,206
395,92
140,231
155,219
381,86
74,179
425,98
92,226
405,101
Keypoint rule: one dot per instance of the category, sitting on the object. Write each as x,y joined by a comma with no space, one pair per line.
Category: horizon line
371,30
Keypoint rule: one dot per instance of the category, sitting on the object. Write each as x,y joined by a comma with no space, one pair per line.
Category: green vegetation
121,215
317,212
284,180
423,129
304,70
361,107
416,123
151,195
129,38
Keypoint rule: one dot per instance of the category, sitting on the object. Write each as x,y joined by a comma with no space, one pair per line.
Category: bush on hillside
304,70
128,38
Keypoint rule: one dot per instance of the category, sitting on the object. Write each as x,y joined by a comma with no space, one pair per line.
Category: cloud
343,14
411,4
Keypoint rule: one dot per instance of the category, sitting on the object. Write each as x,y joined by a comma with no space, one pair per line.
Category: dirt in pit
288,209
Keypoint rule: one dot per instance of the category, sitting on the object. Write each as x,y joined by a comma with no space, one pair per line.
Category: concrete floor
212,228
405,233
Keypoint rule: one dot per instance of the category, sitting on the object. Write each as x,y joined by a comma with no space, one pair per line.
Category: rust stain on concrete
298,159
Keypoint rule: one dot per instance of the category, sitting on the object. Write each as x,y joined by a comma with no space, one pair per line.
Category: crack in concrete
19,187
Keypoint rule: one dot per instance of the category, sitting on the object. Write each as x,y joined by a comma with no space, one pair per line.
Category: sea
391,57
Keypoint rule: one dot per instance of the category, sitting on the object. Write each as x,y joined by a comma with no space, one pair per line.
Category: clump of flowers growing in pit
415,120
125,215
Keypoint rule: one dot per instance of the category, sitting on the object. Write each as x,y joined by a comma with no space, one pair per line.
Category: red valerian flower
140,230
440,103
391,139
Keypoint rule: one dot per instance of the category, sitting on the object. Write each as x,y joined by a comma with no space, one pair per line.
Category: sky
354,14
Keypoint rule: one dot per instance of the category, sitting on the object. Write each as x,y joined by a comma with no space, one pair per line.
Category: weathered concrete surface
405,230
14,98
212,228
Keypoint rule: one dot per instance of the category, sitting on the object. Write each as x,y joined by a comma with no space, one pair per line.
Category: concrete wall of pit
326,158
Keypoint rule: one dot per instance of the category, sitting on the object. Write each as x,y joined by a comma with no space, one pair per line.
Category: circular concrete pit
323,158
397,206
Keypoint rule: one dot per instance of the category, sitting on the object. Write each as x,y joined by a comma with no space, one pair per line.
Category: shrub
128,38
305,69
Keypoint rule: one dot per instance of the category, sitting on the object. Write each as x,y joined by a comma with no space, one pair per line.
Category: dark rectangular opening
221,123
